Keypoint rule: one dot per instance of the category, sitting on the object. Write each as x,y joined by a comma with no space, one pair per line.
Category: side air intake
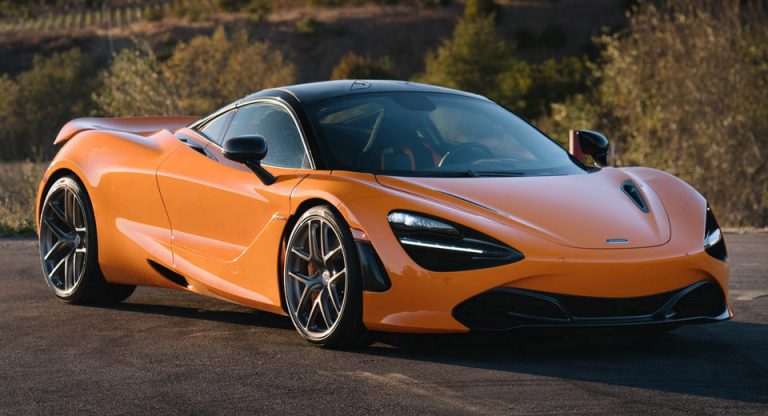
635,195
169,274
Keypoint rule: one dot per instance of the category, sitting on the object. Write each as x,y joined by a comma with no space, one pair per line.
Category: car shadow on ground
726,360
241,317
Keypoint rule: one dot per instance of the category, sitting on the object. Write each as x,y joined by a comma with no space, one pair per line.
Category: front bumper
505,309
423,301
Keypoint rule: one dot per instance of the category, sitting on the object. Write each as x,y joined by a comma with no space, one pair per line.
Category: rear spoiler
143,126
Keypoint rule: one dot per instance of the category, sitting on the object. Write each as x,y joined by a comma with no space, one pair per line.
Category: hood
583,211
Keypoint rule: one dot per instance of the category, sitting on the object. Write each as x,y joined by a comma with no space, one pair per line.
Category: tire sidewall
350,321
92,279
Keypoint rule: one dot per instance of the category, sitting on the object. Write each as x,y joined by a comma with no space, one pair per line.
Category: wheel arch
49,179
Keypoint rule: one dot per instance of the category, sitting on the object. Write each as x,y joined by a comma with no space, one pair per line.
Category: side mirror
250,151
591,143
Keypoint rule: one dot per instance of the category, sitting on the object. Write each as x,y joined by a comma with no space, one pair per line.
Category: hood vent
634,194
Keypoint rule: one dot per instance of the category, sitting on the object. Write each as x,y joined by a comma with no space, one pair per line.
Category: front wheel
321,281
68,247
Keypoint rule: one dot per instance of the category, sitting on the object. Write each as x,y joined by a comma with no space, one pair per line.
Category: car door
227,225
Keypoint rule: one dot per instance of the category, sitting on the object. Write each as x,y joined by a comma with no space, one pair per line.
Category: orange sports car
376,206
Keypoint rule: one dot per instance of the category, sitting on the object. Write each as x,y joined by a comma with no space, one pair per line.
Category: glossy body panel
580,211
170,197
118,172
143,126
227,226
421,300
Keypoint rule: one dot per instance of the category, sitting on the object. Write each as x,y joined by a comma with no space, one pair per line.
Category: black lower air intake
508,308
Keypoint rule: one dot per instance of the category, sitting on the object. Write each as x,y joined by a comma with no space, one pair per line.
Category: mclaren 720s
357,207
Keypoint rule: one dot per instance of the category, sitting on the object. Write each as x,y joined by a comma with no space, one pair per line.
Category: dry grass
18,187
745,230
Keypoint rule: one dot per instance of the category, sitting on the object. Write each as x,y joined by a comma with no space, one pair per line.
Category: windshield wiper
477,173
499,173
452,173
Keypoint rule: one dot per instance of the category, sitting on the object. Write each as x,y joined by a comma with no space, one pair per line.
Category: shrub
481,8
154,13
193,11
247,6
353,66
307,26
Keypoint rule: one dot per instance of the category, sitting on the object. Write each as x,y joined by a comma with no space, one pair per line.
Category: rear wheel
321,281
68,251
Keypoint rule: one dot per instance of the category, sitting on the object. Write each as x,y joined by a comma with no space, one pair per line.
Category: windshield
433,134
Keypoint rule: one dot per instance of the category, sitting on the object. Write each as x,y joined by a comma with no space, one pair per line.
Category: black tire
347,330
87,282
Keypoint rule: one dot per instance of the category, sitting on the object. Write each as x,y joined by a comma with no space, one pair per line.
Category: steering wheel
466,153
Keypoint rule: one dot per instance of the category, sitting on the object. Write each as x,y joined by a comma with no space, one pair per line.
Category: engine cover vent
635,195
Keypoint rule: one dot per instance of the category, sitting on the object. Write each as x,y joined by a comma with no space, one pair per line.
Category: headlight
410,222
439,245
714,244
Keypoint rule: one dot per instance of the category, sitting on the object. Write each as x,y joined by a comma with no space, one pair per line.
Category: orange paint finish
130,219
421,300
212,221
142,126
227,225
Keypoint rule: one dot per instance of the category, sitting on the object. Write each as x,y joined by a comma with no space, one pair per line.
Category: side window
214,129
275,124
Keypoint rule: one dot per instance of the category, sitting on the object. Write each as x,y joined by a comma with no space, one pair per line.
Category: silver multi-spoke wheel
316,277
68,247
64,240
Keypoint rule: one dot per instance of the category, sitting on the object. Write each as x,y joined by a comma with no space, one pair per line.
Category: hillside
315,38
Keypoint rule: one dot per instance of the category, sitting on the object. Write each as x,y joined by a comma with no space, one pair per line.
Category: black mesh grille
505,309
706,300
589,307
501,309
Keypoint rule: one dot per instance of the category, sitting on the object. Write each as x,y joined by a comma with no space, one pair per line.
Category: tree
477,58
9,144
134,85
577,112
54,91
231,68
137,84
687,88
684,90
354,66
555,80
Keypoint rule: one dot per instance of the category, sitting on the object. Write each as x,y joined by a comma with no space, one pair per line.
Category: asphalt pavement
169,352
